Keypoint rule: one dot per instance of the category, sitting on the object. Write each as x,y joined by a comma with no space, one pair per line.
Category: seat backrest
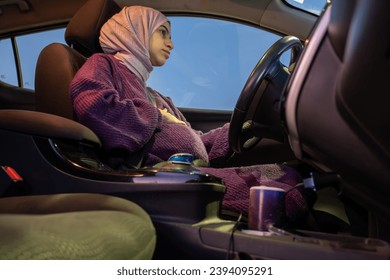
56,66
57,63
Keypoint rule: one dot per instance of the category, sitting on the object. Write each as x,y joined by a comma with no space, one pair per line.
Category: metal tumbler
266,207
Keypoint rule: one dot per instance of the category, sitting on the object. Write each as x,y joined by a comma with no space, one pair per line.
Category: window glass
311,6
207,69
210,62
30,46
8,72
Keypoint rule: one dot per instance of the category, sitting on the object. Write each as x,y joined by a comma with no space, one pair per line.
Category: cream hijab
126,35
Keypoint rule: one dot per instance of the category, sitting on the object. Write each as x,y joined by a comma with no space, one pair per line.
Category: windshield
312,6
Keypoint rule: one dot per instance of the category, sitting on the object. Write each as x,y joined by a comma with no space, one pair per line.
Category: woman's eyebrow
166,29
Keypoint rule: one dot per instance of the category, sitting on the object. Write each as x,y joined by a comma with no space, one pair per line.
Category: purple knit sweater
112,101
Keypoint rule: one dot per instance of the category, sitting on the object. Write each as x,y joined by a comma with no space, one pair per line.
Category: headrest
83,30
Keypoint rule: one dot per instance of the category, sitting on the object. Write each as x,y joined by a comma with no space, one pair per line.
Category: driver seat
58,63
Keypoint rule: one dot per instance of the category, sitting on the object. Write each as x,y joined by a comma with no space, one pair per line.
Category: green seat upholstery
74,227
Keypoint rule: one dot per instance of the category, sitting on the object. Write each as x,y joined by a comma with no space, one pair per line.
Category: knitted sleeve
113,105
216,142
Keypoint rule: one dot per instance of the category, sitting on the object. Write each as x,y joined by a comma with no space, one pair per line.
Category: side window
8,72
210,62
29,47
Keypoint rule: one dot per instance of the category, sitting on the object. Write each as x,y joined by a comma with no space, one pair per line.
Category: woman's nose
169,44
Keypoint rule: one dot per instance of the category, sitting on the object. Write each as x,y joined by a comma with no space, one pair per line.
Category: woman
110,96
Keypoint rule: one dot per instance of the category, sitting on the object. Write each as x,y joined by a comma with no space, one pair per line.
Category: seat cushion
74,227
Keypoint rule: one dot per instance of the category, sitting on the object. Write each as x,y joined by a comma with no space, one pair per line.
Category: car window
8,72
210,62
207,69
28,46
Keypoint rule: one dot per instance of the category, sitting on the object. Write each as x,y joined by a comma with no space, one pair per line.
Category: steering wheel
256,114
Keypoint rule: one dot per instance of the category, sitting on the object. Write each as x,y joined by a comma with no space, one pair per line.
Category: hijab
126,35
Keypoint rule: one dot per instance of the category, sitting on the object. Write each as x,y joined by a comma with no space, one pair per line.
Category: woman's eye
164,33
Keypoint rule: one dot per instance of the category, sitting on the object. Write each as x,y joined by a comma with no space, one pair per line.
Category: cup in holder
266,207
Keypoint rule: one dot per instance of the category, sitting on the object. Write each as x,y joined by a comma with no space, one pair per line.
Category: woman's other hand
170,118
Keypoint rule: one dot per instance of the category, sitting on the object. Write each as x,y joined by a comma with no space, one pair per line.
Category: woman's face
160,45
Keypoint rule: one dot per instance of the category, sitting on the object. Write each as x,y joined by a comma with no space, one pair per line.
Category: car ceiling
19,16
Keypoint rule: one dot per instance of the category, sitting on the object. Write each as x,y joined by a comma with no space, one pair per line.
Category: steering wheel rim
267,71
